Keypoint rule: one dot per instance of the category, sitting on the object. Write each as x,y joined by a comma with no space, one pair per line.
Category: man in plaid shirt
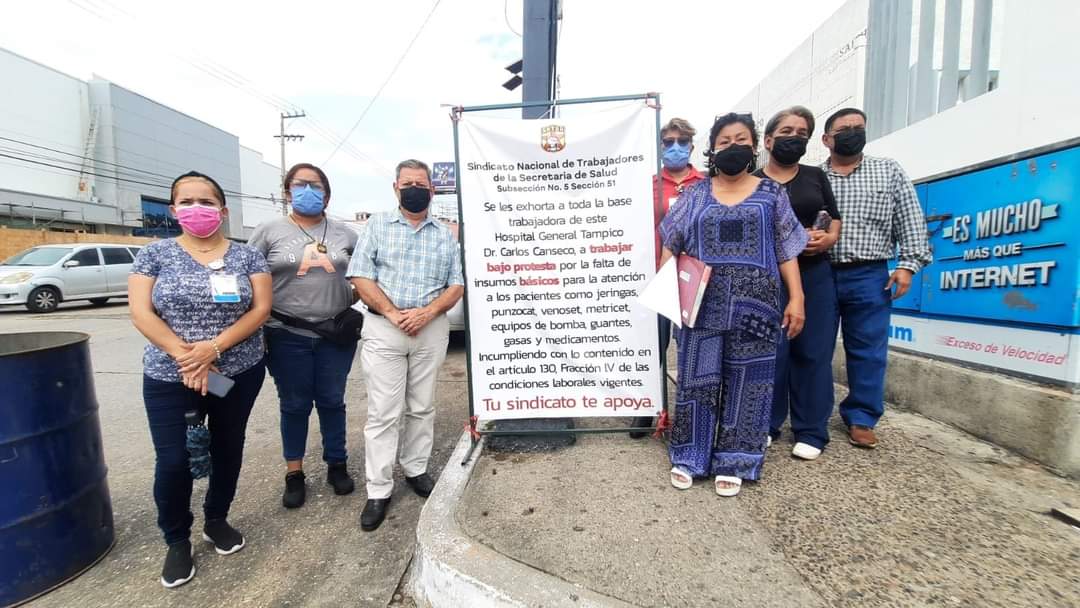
407,270
881,216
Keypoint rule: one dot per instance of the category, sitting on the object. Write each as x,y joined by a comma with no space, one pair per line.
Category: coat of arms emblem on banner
553,138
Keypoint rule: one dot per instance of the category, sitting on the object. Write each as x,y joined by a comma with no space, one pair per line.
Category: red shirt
670,190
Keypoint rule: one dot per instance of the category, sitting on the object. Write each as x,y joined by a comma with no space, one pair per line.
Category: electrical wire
40,160
389,77
80,156
231,78
168,178
506,16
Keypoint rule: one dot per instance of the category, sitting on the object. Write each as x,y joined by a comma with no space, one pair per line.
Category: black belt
859,264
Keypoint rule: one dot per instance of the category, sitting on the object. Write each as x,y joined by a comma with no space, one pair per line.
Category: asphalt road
313,556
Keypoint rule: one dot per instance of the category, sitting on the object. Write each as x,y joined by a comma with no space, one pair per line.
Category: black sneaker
179,566
295,490
338,476
227,539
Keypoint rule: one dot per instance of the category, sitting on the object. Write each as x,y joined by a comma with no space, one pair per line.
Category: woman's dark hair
297,167
800,111
196,175
729,119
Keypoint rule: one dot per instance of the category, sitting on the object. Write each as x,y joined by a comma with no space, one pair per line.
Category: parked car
44,276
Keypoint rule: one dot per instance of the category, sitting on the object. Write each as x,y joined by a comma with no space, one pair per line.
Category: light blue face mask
307,201
676,157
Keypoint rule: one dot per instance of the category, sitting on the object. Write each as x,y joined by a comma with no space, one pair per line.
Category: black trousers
227,419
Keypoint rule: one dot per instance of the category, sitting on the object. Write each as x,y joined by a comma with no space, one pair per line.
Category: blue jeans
310,371
804,384
227,419
865,307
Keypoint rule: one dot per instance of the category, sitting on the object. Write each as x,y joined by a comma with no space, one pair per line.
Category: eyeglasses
670,141
302,183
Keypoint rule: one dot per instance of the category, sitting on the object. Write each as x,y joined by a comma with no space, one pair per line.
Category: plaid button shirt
412,266
880,211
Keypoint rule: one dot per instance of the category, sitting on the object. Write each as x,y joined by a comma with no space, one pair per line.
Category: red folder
693,278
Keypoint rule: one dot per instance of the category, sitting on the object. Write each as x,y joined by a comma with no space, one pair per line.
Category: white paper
661,295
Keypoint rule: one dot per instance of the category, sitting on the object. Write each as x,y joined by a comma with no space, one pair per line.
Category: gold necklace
207,250
320,245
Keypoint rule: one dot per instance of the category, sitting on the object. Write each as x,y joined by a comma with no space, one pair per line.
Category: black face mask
732,160
788,150
415,199
849,142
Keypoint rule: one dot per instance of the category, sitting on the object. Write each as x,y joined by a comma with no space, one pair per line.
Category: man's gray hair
412,163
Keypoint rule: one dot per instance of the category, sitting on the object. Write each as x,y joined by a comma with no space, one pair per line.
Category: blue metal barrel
55,512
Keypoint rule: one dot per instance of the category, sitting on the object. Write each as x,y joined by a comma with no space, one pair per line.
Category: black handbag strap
294,321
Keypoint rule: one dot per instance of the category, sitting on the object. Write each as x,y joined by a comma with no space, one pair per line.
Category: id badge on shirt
223,288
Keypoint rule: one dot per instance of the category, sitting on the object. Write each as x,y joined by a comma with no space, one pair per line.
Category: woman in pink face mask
201,301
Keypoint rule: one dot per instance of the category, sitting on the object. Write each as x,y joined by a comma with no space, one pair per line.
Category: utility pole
283,137
538,74
539,41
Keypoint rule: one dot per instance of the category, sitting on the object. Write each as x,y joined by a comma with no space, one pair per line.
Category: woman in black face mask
743,228
804,364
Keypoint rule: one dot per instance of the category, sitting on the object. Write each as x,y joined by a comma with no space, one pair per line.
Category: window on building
921,62
157,221
116,255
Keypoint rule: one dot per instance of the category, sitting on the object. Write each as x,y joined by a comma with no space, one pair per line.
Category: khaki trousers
401,373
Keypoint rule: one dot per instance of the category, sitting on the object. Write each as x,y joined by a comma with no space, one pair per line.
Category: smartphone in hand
822,221
219,385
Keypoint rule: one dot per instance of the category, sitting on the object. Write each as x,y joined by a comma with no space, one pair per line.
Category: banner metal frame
653,101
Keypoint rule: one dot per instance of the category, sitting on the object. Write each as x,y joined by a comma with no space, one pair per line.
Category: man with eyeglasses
407,270
677,174
881,211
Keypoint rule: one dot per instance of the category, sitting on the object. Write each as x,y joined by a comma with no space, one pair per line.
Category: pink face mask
200,221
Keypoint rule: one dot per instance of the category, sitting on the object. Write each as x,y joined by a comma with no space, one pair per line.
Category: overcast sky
233,64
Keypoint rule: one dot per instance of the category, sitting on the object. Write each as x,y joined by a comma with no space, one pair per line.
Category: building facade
976,100
96,157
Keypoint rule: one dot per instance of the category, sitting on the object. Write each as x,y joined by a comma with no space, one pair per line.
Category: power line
233,79
156,184
80,156
506,16
387,81
120,167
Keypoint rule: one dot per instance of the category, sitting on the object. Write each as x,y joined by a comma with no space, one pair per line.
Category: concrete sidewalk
933,517
313,556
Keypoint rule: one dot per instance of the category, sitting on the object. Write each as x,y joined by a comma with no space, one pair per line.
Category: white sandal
680,479
727,492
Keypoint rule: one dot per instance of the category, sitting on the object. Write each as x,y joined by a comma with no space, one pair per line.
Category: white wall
824,73
151,144
47,108
1036,103
259,178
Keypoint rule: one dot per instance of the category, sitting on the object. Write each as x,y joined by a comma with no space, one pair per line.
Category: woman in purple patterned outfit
201,301
743,227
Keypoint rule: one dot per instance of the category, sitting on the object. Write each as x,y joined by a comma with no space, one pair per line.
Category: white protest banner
558,218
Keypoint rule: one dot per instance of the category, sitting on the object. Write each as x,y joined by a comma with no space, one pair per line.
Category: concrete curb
452,570
1038,421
